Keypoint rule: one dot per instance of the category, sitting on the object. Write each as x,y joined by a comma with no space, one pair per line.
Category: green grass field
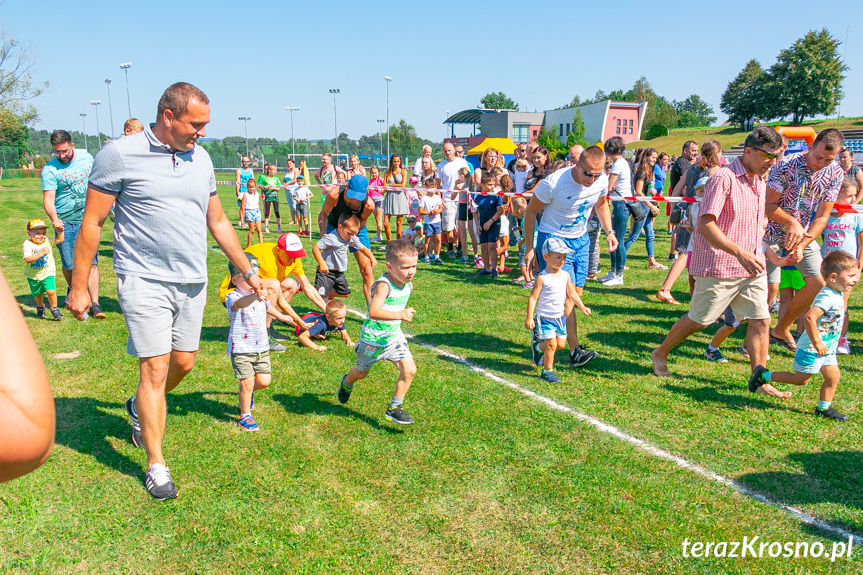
488,480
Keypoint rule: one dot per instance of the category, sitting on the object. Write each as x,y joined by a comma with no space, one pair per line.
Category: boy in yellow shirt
40,268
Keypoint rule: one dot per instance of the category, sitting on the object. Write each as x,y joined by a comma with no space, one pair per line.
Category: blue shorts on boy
829,327
550,319
432,229
550,327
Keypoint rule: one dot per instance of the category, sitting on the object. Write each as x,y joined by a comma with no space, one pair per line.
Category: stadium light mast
110,108
291,109
381,134
245,121
125,67
84,126
95,104
388,79
335,91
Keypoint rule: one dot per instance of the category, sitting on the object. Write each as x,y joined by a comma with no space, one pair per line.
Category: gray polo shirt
334,250
160,229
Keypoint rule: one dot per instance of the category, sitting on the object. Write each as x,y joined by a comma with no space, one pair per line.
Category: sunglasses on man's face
768,155
590,175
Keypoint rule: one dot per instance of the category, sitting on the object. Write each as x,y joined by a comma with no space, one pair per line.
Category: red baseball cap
291,245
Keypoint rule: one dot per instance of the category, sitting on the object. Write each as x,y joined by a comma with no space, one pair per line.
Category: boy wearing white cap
548,305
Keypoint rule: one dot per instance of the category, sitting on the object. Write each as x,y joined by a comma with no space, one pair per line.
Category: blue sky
254,58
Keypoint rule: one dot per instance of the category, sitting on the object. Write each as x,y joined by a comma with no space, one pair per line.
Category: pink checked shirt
738,205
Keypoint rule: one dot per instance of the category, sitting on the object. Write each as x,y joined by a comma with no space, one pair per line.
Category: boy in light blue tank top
242,176
381,337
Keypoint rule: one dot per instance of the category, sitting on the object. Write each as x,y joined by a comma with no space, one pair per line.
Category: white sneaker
607,277
159,484
844,347
615,281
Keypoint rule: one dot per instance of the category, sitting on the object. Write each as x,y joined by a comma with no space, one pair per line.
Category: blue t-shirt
829,325
246,174
321,327
841,234
69,181
658,178
487,206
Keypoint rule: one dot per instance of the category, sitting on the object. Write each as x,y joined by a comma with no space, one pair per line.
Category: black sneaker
536,353
137,438
715,355
96,311
549,376
399,415
831,413
343,394
580,356
55,314
40,313
756,380
159,484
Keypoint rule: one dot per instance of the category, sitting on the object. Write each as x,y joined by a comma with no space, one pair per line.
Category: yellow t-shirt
43,267
268,266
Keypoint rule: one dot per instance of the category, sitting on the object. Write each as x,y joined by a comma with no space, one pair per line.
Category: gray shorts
303,209
161,316
246,365
810,265
450,211
368,354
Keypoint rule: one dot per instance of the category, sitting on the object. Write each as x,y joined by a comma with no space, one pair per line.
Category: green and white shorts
368,354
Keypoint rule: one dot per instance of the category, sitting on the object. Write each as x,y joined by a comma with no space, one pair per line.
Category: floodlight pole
381,135
110,108
246,124
95,104
335,91
125,67
291,110
388,80
84,126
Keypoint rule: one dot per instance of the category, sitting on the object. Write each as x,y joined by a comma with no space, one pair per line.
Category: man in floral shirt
800,195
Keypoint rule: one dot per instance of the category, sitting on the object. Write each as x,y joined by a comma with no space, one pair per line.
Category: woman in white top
619,186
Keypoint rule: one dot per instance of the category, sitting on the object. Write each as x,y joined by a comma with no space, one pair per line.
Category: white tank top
552,298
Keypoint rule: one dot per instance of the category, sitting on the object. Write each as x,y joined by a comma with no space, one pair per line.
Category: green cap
232,269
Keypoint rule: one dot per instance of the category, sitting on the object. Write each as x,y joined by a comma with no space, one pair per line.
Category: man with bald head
567,198
574,154
418,165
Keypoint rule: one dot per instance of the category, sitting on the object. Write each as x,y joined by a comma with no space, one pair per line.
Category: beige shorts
810,265
746,296
246,365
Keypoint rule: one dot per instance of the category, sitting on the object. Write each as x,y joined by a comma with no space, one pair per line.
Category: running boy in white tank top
548,305
381,337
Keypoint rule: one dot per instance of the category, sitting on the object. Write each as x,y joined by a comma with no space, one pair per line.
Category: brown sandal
669,299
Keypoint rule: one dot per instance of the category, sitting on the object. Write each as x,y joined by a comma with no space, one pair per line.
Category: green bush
656,131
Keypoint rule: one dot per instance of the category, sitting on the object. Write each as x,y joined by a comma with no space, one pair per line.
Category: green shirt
269,195
383,332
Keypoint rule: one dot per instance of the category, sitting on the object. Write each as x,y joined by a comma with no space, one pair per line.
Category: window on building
534,133
630,130
568,128
630,122
618,130
520,132
618,122
561,129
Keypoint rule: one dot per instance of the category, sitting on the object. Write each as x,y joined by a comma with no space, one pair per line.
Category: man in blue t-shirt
64,191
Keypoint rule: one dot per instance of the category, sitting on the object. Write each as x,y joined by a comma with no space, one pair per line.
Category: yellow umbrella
502,145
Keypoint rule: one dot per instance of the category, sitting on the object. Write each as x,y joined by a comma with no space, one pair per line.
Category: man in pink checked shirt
727,256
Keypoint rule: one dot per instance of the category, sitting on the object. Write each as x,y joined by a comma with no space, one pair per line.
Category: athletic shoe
715,355
607,277
398,415
756,381
831,413
549,376
459,254
464,260
159,484
275,334
55,314
527,285
437,260
96,311
247,423
503,270
478,261
137,438
40,313
267,229
276,346
425,260
279,230
494,273
844,347
343,394
536,354
377,239
742,350
672,257
450,254
484,272
581,356
615,281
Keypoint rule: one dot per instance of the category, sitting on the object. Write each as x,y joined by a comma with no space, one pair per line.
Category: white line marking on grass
640,443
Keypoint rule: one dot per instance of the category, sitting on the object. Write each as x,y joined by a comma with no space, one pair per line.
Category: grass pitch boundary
653,450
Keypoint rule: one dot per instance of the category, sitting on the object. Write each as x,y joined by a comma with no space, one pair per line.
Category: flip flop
669,299
788,344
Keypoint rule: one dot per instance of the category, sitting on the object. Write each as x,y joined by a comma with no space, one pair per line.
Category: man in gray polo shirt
164,191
